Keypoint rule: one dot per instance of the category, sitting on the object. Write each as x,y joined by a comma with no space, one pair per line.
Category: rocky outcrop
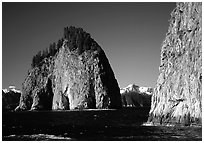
78,76
177,97
10,98
135,96
37,88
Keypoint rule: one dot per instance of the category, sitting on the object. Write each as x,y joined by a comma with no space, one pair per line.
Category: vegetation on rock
74,74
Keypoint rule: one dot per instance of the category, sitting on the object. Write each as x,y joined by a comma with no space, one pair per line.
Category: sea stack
177,97
73,74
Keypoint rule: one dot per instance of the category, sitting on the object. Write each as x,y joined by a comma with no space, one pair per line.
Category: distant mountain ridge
136,88
10,98
136,96
11,88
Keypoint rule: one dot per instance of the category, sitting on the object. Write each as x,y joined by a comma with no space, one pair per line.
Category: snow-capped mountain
135,96
10,98
11,88
131,87
147,90
136,88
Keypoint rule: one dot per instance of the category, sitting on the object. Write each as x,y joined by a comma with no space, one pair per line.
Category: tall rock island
72,74
177,97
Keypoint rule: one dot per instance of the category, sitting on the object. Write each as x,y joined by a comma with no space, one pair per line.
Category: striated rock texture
177,97
135,96
77,76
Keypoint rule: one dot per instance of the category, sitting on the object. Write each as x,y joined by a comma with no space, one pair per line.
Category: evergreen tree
77,39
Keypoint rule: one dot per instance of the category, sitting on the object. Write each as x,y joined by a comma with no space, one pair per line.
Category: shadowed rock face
78,76
177,97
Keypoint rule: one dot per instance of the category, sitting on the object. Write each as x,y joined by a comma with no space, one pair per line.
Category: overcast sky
131,35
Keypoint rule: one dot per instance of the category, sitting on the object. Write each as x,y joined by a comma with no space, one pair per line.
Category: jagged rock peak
75,75
177,97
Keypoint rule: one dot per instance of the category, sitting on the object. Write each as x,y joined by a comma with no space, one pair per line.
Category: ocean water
87,125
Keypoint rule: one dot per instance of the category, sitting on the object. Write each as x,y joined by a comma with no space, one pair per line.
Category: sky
131,34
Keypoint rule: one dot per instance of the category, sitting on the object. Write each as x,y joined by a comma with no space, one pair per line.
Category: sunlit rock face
177,97
78,76
37,88
135,96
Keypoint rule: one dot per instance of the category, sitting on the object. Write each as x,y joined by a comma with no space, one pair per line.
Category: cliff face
37,88
78,76
177,97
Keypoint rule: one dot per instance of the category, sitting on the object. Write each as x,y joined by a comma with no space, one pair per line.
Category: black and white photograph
101,71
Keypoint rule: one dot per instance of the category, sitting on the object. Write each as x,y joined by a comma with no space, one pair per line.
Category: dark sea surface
87,125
